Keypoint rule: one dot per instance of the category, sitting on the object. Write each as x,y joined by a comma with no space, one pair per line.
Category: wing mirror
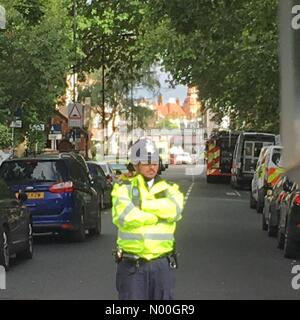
22,196
286,186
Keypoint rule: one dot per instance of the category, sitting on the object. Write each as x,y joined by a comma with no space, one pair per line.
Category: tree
34,59
5,137
118,98
167,124
228,49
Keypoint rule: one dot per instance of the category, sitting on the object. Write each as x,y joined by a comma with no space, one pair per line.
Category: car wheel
280,238
272,230
27,253
252,201
97,230
4,249
259,203
209,179
102,204
264,222
79,235
291,248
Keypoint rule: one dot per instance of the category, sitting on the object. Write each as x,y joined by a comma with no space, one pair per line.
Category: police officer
130,174
145,211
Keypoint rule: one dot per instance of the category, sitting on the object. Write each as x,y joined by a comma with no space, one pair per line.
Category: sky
167,92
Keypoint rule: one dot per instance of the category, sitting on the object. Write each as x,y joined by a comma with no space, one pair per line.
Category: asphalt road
223,254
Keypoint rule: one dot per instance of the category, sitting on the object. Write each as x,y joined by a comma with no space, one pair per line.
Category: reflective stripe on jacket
146,219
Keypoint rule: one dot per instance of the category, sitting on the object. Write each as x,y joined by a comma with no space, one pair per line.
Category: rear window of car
26,171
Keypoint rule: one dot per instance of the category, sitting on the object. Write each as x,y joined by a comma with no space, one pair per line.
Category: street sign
38,127
2,18
75,115
16,124
55,136
55,129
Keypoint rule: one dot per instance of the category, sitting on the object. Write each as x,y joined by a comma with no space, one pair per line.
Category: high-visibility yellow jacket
146,219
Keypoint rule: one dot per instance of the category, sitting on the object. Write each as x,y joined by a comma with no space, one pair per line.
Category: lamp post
75,47
131,100
103,99
131,35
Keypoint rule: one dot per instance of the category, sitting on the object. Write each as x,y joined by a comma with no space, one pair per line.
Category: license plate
34,195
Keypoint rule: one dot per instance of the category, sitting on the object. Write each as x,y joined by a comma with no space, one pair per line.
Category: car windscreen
119,166
276,157
31,171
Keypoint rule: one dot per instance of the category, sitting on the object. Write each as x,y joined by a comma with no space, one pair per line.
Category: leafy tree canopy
34,59
228,49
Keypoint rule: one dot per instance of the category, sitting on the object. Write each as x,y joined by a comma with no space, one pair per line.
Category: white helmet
145,151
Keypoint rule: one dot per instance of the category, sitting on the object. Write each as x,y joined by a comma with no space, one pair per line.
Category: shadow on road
56,238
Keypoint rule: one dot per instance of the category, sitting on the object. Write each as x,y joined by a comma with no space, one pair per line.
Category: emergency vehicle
245,157
267,173
219,152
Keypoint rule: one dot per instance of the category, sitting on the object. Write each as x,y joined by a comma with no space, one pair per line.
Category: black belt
171,256
133,257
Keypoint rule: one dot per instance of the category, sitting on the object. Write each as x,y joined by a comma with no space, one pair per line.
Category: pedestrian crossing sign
75,114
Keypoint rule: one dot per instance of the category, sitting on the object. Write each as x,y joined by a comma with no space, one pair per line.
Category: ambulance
267,173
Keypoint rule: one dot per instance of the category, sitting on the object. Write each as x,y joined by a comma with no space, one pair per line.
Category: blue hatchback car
60,192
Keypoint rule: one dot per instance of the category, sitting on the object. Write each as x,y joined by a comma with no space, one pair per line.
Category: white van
245,156
267,173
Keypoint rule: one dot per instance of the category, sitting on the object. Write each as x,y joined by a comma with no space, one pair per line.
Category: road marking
231,194
225,199
237,193
189,191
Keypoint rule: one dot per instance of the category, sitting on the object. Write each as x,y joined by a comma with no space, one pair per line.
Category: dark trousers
153,280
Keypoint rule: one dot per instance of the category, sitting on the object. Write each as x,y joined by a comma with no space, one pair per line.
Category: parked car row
59,193
278,199
281,216
15,226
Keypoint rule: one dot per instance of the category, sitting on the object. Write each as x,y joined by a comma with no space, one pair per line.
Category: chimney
160,100
178,101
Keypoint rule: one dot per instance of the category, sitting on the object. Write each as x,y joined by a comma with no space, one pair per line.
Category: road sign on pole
75,115
55,129
16,124
55,136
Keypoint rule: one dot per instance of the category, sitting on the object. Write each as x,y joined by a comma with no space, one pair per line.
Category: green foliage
117,96
109,34
36,141
5,137
34,59
167,124
228,49
142,116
